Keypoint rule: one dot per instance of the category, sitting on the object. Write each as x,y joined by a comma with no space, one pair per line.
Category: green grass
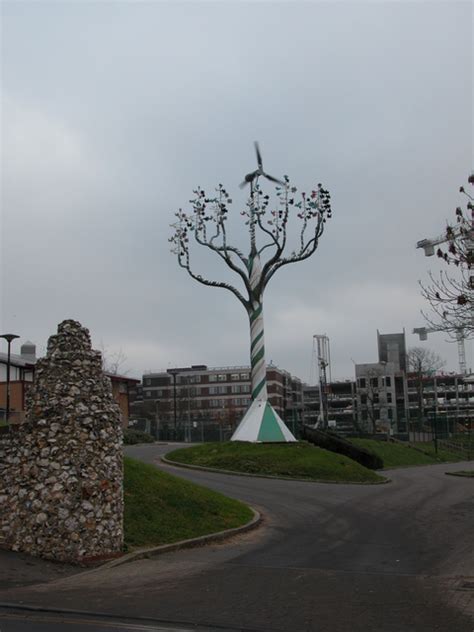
400,455
464,439
443,456
292,460
160,508
465,473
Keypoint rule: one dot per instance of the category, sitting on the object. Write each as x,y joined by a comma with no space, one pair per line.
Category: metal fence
194,432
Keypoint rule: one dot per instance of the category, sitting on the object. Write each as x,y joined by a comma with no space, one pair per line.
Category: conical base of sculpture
261,423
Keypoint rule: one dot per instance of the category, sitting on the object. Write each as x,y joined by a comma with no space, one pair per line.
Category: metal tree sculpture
452,298
206,224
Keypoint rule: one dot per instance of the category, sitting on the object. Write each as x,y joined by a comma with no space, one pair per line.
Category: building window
213,377
147,393
195,379
235,388
387,381
245,388
389,398
222,377
213,390
148,381
222,390
374,381
244,376
235,377
363,399
214,403
390,413
362,382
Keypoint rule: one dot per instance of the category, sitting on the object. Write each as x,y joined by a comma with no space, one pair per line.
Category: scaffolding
322,360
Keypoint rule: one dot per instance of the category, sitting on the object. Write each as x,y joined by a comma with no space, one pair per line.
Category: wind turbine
250,177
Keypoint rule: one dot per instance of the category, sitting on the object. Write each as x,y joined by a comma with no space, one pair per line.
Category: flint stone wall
61,492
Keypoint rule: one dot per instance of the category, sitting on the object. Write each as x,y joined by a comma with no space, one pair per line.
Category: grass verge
161,508
292,460
443,455
400,455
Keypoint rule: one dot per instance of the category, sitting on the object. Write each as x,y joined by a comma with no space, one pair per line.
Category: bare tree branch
208,282
451,298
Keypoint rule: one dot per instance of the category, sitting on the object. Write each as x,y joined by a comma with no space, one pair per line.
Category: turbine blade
274,179
259,156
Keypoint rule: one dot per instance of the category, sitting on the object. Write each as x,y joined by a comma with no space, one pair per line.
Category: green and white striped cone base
261,423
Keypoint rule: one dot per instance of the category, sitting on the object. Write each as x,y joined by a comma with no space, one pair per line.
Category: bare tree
423,362
112,361
369,398
206,225
452,297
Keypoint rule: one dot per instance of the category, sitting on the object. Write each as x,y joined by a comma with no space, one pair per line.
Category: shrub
131,436
334,443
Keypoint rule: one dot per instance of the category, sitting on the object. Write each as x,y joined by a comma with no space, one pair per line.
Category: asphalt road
333,558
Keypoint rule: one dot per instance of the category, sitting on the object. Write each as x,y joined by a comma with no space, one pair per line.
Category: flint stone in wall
61,470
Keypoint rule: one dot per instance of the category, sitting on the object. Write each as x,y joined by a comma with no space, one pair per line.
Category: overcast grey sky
112,112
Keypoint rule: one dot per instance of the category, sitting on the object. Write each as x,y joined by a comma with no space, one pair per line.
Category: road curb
278,478
195,627
176,546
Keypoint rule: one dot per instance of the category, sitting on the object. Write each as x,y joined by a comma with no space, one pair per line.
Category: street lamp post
174,373
9,338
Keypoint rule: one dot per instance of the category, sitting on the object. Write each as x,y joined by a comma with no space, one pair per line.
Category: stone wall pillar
61,474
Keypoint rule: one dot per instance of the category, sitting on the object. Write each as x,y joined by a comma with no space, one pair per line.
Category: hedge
334,443
131,436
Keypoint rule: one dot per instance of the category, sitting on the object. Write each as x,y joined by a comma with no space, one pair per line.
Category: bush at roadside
334,443
131,437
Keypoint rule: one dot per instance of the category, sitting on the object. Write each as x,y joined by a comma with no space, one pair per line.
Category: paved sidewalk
20,569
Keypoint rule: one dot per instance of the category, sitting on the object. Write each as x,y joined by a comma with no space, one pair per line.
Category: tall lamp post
9,338
174,373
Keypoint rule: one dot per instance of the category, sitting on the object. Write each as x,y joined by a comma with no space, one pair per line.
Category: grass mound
292,460
161,508
399,455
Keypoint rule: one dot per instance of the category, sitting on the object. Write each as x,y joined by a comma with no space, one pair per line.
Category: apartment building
386,398
448,401
341,405
22,375
22,368
381,387
213,395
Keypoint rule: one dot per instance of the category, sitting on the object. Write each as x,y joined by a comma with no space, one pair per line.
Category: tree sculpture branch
206,223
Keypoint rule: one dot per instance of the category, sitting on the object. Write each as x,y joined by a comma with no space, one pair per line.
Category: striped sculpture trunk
257,342
261,423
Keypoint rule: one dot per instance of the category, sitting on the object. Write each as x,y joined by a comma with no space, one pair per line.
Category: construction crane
460,337
428,245
322,356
